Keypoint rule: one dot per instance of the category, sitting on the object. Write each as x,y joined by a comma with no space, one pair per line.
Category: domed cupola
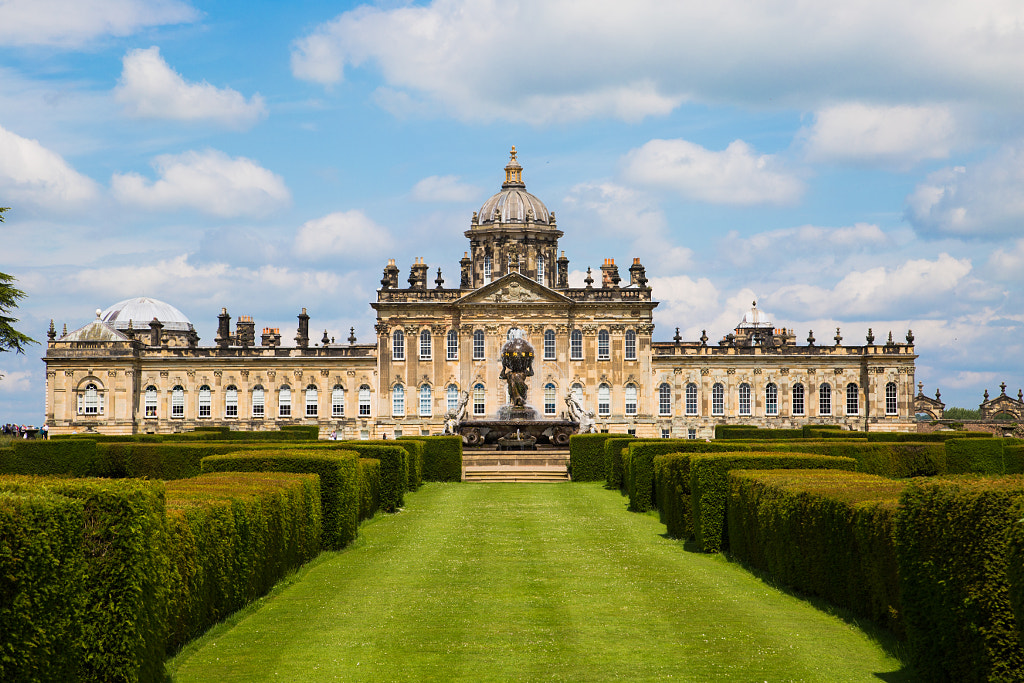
514,204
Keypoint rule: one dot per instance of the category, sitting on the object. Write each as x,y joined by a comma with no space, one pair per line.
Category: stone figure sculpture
516,366
577,413
453,417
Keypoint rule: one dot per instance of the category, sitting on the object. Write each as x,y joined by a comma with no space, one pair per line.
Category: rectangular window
603,352
631,432
798,399
630,345
744,399
478,345
425,350
666,433
257,403
364,402
151,399
337,403
691,433
890,399
604,401
487,269
691,399
425,401
284,403
453,345
576,345
231,402
311,404
718,400
549,345
478,400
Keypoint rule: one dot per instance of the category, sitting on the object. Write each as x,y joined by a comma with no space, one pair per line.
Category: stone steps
515,466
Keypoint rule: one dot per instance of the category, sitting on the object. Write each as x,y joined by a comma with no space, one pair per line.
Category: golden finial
513,153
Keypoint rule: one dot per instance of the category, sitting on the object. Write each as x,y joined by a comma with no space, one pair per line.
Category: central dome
141,310
514,204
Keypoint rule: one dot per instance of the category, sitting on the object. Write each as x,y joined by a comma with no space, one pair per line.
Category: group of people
23,432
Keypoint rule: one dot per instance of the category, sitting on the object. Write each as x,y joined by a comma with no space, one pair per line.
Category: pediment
514,288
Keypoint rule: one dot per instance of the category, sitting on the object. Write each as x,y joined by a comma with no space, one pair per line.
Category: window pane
630,399
151,401
744,402
311,401
257,401
231,401
604,400
425,400
577,393
398,400
798,399
718,400
630,345
452,398
771,400
337,401
364,401
549,399
425,350
204,401
540,269
453,345
284,402
602,345
398,345
890,399
576,345
852,399
478,345
549,345
665,399
824,400
478,399
691,399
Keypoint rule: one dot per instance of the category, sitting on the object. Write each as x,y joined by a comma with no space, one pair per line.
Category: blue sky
850,168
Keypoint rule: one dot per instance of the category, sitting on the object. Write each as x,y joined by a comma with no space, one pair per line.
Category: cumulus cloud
736,175
784,245
982,200
74,23
208,181
350,235
16,381
34,174
1007,263
445,188
897,136
150,89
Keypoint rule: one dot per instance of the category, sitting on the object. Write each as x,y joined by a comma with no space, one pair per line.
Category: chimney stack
563,272
418,274
156,329
245,331
637,274
610,274
302,337
223,338
390,279
271,337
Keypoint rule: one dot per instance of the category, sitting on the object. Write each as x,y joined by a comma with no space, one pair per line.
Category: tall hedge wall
893,460
47,457
369,487
952,548
613,460
639,476
394,468
823,532
974,456
442,457
339,483
672,484
709,486
586,456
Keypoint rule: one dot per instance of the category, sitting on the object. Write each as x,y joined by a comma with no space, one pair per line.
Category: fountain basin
481,432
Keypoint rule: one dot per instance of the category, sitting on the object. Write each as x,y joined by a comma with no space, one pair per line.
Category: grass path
494,582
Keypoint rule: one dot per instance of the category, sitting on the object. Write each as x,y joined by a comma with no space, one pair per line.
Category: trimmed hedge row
922,437
824,532
369,487
893,460
744,432
1015,569
672,484
45,457
394,468
442,457
232,536
339,483
974,456
286,433
613,472
586,456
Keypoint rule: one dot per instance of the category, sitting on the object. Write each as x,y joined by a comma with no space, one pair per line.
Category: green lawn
496,582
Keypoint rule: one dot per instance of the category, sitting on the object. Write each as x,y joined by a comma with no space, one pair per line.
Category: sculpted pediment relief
514,288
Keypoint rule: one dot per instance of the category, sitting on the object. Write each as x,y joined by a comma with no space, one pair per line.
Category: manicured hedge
442,457
823,532
613,460
893,460
672,483
339,483
233,535
737,432
1013,457
46,457
975,456
952,548
369,487
586,456
808,429
394,468
1015,570
709,486
819,432
923,437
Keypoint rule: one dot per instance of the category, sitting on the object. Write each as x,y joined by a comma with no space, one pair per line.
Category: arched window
798,399
425,350
478,399
603,350
487,269
665,399
604,400
312,404
151,401
576,345
771,399
284,401
630,345
744,402
398,345
717,399
257,401
231,401
425,401
398,401
852,399
550,404
204,401
338,401
630,399
178,401
577,393
364,401
890,399
89,400
549,344
453,345
452,398
478,345
824,400
691,399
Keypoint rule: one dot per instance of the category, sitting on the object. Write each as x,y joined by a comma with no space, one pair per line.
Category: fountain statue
585,418
516,366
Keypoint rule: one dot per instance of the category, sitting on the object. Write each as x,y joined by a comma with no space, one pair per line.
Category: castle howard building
139,368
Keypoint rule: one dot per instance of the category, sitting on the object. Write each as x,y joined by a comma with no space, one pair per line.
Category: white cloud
898,136
11,382
208,181
34,174
445,188
1008,263
345,234
784,245
982,200
736,175
149,88
684,303
74,23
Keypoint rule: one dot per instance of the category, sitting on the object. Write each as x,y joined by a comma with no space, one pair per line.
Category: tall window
178,401
603,350
744,402
549,344
691,399
452,398
890,399
478,345
284,401
798,399
231,401
577,393
311,401
604,400
90,403
487,269
630,399
665,399
576,345
453,345
549,399
540,269
718,399
852,399
204,401
824,400
398,401
771,400
398,345
364,401
338,401
257,401
630,345
425,400
478,399
424,344
151,401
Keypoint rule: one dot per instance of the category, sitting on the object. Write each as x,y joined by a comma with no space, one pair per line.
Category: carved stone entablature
878,371
191,374
905,371
380,327
617,328
351,373
51,374
71,373
438,329
645,329
111,373
164,374
704,372
562,328
271,374
244,374
589,329
411,330
730,371
297,374
757,371
492,329
811,371
783,371
324,372
466,328
218,373
677,371
838,371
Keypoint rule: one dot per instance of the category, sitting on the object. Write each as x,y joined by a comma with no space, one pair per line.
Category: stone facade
433,343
